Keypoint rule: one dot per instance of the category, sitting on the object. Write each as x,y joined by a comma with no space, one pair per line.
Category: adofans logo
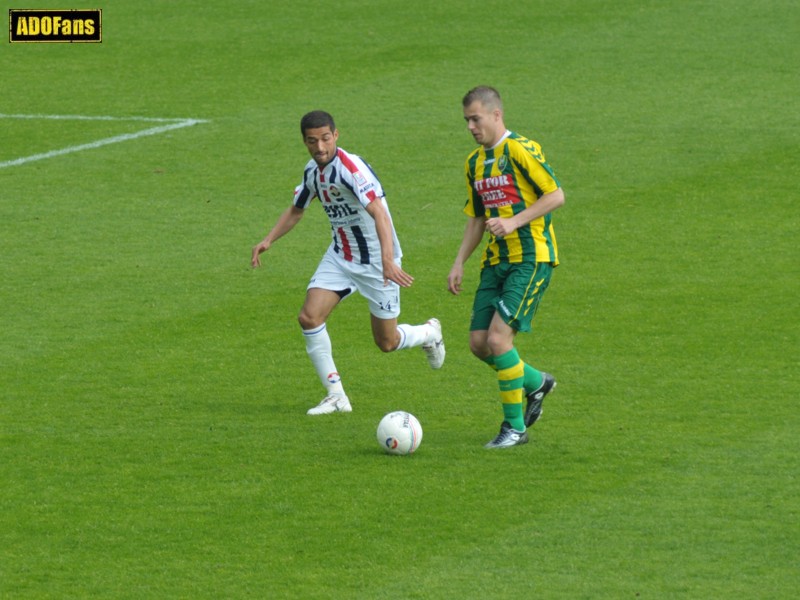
27,25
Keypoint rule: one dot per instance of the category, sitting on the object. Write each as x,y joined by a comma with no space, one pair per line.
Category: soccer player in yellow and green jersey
503,181
512,192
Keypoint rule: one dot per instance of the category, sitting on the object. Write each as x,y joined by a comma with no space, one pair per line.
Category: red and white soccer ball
399,432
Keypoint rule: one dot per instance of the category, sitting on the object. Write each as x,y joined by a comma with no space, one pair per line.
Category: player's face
485,124
321,144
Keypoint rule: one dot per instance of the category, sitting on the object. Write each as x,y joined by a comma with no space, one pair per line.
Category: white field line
170,125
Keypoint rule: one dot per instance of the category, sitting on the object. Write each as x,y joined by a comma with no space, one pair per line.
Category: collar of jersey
502,139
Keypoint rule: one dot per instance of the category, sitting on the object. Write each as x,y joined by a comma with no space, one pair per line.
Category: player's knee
479,347
479,351
499,344
386,343
308,321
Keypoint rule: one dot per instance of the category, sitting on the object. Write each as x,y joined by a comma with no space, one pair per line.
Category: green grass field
153,387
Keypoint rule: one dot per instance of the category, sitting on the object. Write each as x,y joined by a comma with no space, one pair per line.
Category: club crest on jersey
502,163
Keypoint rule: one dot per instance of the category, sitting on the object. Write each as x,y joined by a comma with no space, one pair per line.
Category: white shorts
338,275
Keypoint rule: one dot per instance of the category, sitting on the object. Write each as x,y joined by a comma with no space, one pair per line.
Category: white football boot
435,350
508,437
331,403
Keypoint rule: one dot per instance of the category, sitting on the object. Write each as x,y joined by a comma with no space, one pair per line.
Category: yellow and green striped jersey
504,181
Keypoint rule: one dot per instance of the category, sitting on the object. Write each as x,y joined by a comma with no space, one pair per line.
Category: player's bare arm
473,234
391,271
546,204
290,217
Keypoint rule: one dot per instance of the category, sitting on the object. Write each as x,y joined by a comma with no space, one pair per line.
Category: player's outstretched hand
454,279
391,272
262,246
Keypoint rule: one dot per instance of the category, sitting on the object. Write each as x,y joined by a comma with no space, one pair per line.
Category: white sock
412,336
318,346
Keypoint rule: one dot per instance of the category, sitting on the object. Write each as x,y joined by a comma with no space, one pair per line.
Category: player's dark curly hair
316,119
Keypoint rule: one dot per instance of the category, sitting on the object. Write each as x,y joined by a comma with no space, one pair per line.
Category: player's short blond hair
486,95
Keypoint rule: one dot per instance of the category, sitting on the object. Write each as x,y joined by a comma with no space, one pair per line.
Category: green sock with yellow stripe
511,377
533,378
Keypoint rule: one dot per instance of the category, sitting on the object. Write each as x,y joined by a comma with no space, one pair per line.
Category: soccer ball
399,432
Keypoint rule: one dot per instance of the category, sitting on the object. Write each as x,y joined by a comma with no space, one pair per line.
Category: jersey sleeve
530,160
360,178
305,192
474,205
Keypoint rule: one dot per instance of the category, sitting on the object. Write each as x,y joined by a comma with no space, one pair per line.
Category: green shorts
511,290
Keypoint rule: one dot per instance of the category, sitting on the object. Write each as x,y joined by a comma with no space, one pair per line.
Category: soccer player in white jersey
364,256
